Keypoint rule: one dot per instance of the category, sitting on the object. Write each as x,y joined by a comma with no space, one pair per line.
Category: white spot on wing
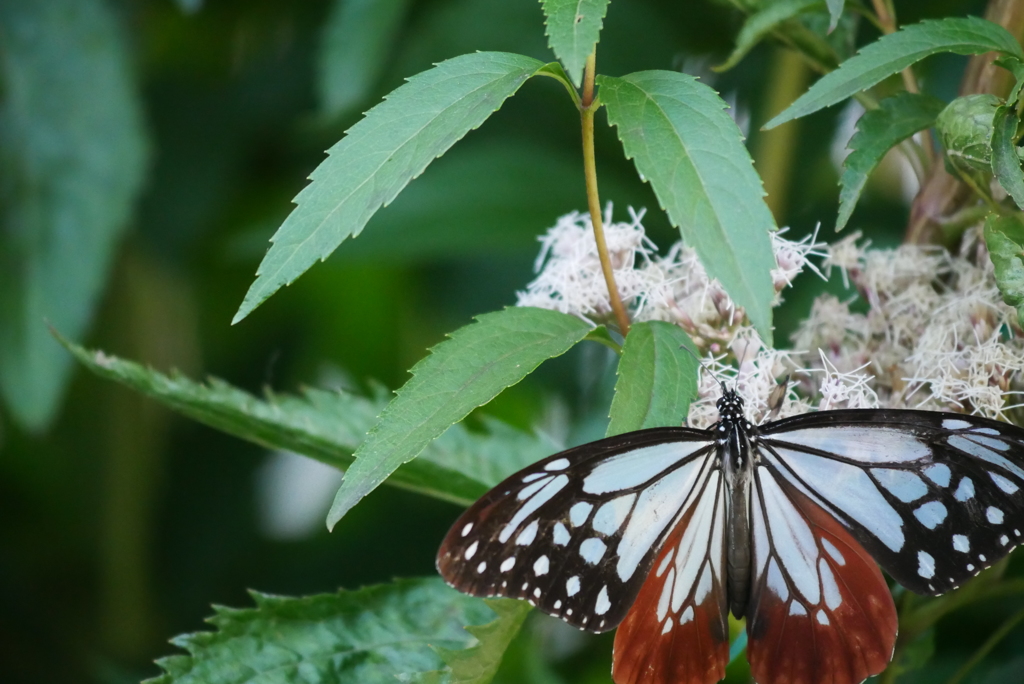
831,550
974,449
1003,483
557,464
634,468
858,497
687,615
965,490
572,586
797,608
925,565
579,512
954,424
466,528
938,473
961,543
603,604
902,484
592,550
703,586
931,514
994,515
540,566
561,534
668,626
530,490
862,444
833,599
666,594
482,566
776,582
664,563
821,618
536,501
612,514
507,564
471,550
528,534
655,508
533,476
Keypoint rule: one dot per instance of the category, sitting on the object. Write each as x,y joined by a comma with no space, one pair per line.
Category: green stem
593,199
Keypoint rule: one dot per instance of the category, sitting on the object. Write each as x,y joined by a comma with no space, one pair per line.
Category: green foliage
683,142
369,635
1004,236
1005,160
657,378
460,374
393,144
357,38
72,156
761,23
329,426
573,28
479,663
891,54
896,119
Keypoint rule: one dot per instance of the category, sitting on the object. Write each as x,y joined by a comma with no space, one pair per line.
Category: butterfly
662,532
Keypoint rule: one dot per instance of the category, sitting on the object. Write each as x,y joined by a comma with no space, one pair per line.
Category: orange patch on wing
686,646
842,643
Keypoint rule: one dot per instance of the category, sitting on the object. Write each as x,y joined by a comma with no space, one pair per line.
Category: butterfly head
730,407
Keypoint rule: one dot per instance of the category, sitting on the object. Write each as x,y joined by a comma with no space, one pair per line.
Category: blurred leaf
189,6
738,646
369,635
1004,236
357,39
573,29
835,11
657,379
896,119
761,23
1005,162
461,373
72,158
892,53
393,144
478,663
691,151
329,426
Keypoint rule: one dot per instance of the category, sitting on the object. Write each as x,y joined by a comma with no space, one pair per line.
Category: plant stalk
589,106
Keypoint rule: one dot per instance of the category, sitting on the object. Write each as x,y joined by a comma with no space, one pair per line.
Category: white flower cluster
934,334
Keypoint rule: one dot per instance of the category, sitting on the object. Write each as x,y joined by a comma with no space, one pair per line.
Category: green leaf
835,11
478,663
1005,162
393,144
328,426
1004,236
573,28
464,372
692,152
357,39
72,159
891,54
657,378
964,128
761,23
896,119
370,635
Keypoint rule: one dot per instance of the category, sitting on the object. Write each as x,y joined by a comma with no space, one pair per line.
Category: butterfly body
664,531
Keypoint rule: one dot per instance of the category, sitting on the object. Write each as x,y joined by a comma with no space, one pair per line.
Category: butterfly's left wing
576,533
933,497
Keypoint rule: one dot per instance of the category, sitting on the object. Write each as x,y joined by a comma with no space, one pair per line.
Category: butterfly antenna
706,369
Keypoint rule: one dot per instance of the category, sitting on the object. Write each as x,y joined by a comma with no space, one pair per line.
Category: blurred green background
149,149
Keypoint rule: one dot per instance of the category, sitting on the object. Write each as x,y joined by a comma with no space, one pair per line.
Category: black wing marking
934,497
576,533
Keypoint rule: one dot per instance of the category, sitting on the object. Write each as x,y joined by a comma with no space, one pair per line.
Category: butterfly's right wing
577,533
